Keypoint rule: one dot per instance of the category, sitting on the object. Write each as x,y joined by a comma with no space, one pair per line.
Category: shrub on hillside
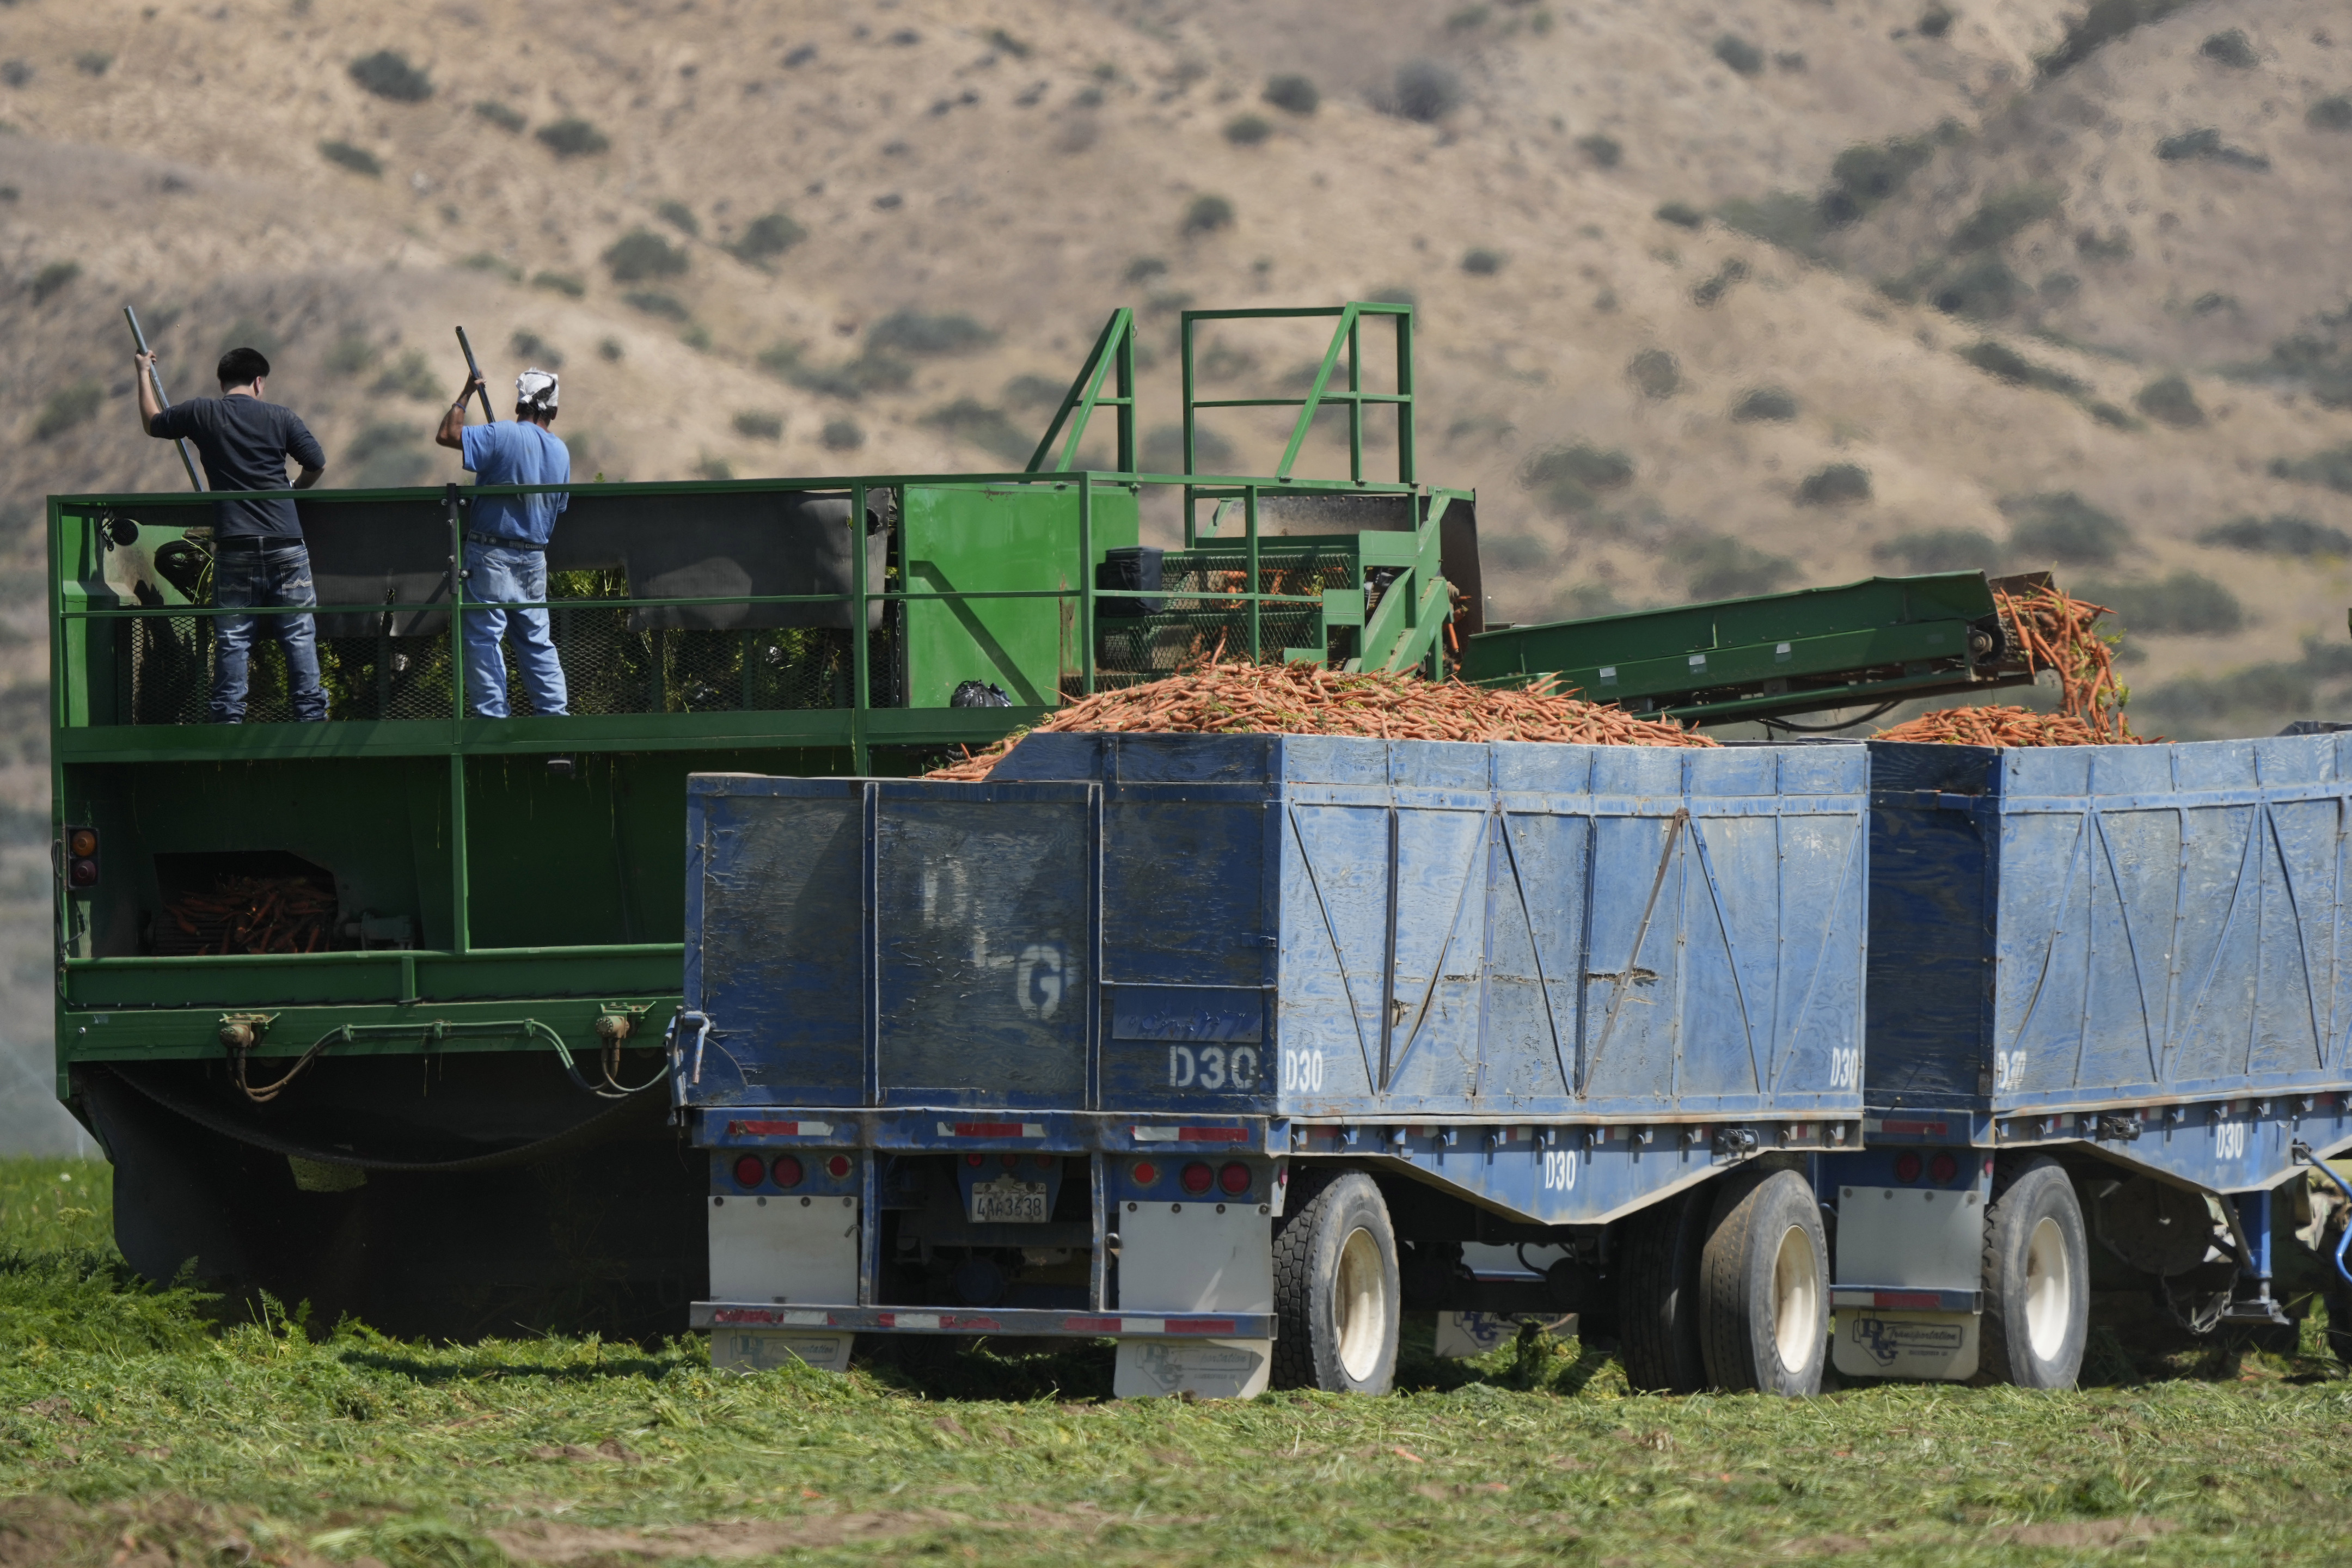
986,427
2205,144
1606,151
1038,391
765,237
1425,90
2281,534
2101,22
2183,604
2231,49
610,350
2004,214
1248,130
93,62
1940,550
759,426
1716,567
2063,528
388,74
1765,403
1568,481
1207,215
1983,290
912,331
358,159
842,435
1294,94
532,349
411,375
2169,400
1935,21
67,407
1481,262
653,302
573,138
1741,55
1839,484
1163,450
679,217
2331,113
500,115
2332,468
52,277
1784,218
641,254
2005,363
570,284
1869,173
1681,214
1656,373
1714,289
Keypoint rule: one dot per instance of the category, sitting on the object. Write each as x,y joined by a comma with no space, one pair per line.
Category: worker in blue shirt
506,543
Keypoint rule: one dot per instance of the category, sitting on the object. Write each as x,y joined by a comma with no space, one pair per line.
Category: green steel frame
467,994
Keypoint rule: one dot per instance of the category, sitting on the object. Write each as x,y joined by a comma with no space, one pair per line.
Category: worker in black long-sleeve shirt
258,557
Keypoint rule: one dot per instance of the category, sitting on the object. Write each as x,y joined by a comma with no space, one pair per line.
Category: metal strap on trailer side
1262,1030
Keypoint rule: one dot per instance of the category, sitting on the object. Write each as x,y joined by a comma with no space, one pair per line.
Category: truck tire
1764,1296
2037,1280
1336,1292
1658,1296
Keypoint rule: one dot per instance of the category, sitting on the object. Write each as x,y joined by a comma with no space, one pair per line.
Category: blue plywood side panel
2136,875
2220,893
1732,947
1536,957
983,914
1327,1060
1818,1027
2044,964
2298,910
1441,948
1344,861
775,932
1633,981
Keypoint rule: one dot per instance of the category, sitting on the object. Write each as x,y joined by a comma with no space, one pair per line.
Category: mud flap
782,1250
1189,1259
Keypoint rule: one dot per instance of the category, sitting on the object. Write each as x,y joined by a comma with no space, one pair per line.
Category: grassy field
139,1428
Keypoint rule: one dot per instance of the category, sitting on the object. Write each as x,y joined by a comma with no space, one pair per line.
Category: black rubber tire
1309,1298
1764,1287
2022,1201
1656,1270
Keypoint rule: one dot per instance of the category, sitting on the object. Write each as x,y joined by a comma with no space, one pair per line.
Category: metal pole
460,932
860,655
187,453
1249,517
1355,404
1086,581
1408,462
488,417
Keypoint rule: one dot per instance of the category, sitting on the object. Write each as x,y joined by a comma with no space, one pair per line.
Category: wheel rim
1360,1306
1796,1299
2049,1289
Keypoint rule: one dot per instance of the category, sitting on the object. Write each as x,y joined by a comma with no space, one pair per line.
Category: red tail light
976,1161
1907,1165
749,1170
788,1171
837,1167
1146,1172
1197,1178
1234,1178
1943,1168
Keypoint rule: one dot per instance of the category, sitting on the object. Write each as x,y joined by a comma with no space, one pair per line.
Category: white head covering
537,388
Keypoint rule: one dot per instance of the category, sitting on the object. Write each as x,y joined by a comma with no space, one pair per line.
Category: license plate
1008,1202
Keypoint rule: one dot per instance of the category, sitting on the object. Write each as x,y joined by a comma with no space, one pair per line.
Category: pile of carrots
255,914
1241,698
2057,633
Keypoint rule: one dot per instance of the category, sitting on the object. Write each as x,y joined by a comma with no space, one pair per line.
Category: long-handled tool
187,452
474,366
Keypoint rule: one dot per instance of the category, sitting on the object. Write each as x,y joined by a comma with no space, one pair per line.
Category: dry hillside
1680,334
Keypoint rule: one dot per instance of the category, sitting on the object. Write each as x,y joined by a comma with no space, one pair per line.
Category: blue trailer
1224,1046
2110,991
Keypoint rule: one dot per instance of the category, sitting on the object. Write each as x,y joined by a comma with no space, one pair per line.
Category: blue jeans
496,574
246,578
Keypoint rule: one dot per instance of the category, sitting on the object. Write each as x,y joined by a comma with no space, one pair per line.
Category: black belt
257,541
473,537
